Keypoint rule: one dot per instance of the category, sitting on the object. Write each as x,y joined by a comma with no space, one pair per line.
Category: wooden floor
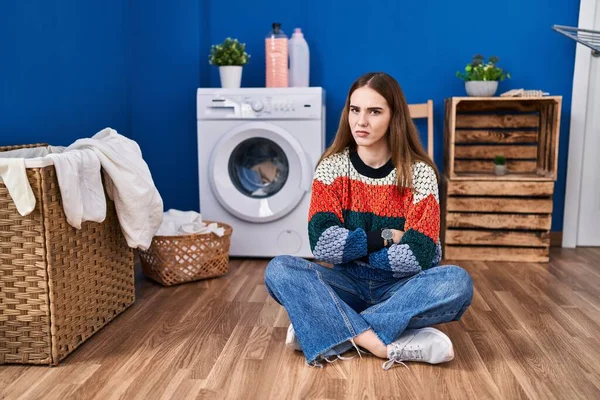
533,331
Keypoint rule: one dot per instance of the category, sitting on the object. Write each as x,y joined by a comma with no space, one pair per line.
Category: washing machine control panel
261,104
280,107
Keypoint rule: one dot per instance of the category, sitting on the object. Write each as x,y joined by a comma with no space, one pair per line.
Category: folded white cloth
176,222
14,176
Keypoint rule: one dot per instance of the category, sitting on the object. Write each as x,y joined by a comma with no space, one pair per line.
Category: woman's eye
376,112
354,110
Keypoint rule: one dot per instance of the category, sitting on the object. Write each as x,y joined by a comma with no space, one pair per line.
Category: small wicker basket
172,260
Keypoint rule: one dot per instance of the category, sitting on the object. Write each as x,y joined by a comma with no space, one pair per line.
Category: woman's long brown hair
402,136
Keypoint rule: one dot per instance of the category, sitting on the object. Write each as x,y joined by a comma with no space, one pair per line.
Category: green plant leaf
480,70
229,52
499,160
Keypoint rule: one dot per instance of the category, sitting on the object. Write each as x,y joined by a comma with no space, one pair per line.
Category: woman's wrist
397,235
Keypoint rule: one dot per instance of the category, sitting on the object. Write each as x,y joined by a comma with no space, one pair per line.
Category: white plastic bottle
299,60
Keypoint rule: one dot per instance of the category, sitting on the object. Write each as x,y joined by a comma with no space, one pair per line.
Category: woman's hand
397,235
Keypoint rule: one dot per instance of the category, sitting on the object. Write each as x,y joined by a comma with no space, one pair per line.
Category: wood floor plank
559,346
473,369
586,279
174,383
271,363
542,336
188,389
292,368
130,347
457,386
527,364
257,344
500,372
501,316
433,383
216,337
532,332
362,386
218,377
576,322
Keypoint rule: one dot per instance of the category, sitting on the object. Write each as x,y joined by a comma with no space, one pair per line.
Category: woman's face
369,116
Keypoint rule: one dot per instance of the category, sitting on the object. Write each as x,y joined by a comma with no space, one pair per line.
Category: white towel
129,184
80,183
14,176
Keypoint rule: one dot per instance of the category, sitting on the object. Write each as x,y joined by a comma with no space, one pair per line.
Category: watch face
387,234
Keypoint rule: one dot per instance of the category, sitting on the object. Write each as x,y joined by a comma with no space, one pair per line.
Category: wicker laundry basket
171,260
58,285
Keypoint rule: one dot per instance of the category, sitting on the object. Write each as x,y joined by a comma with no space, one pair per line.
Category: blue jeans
328,307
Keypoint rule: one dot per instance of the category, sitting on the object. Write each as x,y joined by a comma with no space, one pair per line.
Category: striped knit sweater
352,203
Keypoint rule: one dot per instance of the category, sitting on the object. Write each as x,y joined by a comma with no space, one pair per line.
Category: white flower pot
500,169
481,88
231,76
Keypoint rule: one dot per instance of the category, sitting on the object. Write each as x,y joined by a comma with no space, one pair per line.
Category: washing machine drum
259,172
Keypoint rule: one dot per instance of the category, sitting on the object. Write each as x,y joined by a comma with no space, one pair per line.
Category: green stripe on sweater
421,245
371,222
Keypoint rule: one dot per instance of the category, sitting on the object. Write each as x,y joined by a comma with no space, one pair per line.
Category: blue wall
62,70
71,68
165,72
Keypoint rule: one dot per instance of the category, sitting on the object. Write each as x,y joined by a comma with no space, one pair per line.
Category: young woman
374,216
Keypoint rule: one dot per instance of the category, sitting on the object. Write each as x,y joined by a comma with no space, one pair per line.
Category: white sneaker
425,345
291,340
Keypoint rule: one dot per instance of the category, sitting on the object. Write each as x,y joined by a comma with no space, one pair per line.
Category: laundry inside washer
258,167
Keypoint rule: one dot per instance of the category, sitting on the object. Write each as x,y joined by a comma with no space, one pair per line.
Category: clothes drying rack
586,37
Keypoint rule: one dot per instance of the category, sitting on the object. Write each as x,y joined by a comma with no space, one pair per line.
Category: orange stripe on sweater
325,198
347,194
425,217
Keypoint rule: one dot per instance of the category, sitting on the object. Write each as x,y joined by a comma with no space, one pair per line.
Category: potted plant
499,165
230,56
481,77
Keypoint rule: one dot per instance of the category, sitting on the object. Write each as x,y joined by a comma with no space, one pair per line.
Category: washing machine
257,152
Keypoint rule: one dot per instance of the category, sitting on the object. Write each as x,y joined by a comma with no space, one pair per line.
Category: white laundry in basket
129,183
176,222
13,173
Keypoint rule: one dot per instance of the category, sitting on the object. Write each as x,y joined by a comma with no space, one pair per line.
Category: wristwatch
388,237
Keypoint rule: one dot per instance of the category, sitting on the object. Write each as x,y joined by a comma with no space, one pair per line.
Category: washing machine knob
257,106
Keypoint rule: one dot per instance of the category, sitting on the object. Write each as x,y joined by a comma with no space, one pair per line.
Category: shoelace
404,354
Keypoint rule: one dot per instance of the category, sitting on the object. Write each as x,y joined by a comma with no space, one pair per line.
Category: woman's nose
362,120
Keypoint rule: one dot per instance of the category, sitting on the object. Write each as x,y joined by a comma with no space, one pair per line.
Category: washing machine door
259,172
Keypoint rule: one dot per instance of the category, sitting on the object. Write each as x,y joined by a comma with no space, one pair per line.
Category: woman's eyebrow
369,108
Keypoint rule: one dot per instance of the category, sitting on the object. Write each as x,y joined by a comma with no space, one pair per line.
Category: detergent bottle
299,60
276,51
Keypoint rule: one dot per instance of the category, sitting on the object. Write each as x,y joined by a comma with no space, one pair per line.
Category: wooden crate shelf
524,130
496,220
499,218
